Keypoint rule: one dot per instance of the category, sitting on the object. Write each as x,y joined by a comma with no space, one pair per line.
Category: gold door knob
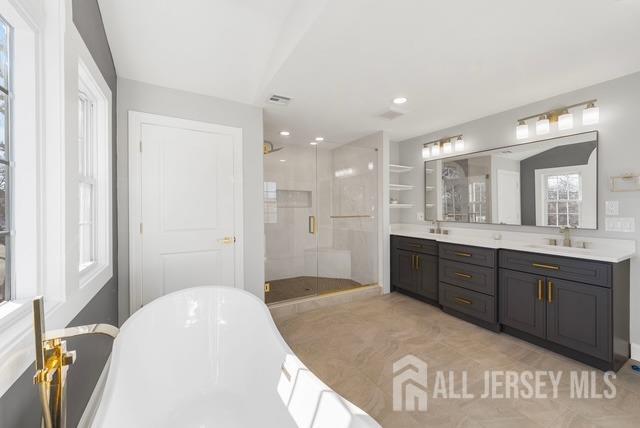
227,240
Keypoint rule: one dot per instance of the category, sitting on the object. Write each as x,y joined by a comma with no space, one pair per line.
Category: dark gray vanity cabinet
467,277
522,304
414,267
587,320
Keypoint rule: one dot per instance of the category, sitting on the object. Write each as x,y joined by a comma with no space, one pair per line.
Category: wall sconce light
445,146
426,152
522,130
565,120
542,125
591,114
563,116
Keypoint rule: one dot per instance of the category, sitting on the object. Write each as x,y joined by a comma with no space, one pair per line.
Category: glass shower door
347,218
291,226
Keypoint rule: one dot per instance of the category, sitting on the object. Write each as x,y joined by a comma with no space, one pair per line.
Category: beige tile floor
353,346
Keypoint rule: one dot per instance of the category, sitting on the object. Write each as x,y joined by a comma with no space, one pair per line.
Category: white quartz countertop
601,249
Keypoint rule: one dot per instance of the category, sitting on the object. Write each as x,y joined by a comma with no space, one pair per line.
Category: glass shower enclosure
321,220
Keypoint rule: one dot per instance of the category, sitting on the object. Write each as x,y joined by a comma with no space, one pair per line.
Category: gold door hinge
140,146
141,228
267,287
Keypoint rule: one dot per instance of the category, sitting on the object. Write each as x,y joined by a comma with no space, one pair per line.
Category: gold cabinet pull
413,261
543,266
540,289
464,275
550,291
462,301
462,254
415,245
312,224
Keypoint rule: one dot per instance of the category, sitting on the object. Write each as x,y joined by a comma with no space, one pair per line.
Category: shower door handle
312,224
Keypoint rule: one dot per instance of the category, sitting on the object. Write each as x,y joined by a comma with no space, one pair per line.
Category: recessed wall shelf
428,171
400,187
399,168
429,188
398,206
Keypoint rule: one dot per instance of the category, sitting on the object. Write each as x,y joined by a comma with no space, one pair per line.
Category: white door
188,207
508,197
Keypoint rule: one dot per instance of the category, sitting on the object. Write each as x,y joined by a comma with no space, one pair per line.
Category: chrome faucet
566,232
53,361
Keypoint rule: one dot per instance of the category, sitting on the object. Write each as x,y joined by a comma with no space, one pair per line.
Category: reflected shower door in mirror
543,183
320,217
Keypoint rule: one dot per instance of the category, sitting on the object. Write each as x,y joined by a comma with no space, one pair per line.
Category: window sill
13,310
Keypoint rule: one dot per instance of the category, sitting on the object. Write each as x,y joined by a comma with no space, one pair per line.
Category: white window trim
57,48
541,176
91,81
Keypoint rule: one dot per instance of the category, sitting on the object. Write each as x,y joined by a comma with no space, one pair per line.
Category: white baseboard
94,401
635,351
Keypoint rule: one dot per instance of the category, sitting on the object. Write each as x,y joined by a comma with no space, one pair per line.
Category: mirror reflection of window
477,202
563,200
543,183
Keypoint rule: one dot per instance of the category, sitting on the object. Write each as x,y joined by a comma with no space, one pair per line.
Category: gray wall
618,153
574,154
142,97
19,406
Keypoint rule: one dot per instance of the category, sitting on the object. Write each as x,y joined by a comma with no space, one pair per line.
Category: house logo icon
410,384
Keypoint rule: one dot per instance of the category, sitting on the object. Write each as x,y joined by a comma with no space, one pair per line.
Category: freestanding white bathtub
212,357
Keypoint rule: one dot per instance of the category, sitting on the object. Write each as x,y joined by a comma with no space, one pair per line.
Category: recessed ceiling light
283,160
313,143
319,138
285,133
400,100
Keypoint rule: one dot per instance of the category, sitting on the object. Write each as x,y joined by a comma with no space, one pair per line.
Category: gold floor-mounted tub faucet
52,361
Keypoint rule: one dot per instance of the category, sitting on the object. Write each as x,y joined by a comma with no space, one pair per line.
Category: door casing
136,120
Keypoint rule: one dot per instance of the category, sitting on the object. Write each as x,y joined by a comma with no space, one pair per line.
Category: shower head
267,148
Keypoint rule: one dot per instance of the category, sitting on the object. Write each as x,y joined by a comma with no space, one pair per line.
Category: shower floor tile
306,286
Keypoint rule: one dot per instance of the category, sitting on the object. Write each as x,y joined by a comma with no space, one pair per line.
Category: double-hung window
87,178
5,156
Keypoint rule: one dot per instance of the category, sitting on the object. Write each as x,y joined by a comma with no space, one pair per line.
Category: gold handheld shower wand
53,361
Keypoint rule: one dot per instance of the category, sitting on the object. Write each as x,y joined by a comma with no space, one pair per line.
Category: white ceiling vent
394,112
279,100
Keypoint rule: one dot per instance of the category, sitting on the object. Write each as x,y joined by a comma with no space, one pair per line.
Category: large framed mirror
551,182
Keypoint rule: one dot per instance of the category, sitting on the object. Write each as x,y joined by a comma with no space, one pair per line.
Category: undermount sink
559,248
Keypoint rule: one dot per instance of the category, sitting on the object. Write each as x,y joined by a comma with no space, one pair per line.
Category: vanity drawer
463,253
586,271
471,277
468,302
415,245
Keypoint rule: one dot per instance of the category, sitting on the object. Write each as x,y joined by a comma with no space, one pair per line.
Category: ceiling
343,61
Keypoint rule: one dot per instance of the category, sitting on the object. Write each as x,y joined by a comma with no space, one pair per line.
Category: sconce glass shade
447,147
426,152
435,150
591,115
522,130
565,121
542,125
459,146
